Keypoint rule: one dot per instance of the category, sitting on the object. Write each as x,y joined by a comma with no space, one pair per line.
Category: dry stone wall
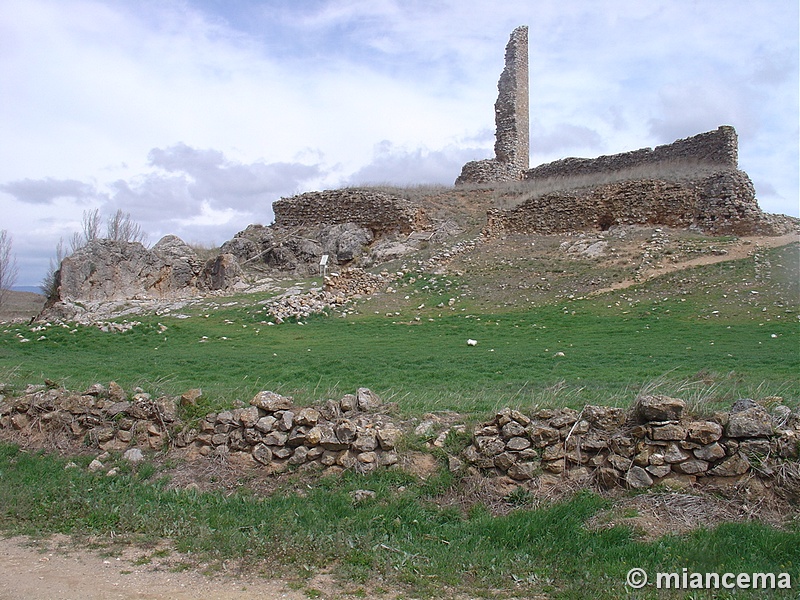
379,212
351,432
654,442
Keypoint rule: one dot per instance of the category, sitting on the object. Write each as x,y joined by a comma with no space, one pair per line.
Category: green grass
703,333
401,536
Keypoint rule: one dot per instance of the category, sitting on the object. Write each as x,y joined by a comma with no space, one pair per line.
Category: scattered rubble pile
351,433
353,283
339,289
653,442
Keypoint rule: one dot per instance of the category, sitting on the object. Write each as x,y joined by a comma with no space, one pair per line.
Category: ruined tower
512,144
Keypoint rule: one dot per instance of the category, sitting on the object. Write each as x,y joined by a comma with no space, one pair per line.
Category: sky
195,115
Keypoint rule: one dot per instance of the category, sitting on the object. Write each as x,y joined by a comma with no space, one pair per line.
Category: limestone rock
659,408
307,416
388,437
366,400
271,402
190,397
133,455
523,470
638,478
704,432
732,466
710,452
751,422
691,467
670,431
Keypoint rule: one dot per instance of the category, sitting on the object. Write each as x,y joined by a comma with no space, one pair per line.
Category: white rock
133,455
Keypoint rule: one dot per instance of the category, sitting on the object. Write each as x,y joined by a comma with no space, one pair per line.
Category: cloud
396,165
196,112
564,138
46,191
209,176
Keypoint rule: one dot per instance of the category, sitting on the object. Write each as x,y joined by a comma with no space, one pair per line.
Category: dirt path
742,249
46,571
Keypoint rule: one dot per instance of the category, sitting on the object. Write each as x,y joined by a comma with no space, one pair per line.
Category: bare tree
90,230
50,281
8,265
122,228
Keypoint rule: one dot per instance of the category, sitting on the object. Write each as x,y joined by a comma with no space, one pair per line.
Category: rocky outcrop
106,270
512,146
654,441
297,250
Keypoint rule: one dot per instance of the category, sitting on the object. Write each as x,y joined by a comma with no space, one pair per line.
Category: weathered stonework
720,203
598,445
715,149
377,211
512,145
654,442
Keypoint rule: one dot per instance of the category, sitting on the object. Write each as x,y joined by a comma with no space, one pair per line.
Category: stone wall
655,441
351,432
377,211
512,145
721,203
716,149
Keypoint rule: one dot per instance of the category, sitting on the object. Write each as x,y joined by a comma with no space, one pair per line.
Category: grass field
710,335
400,537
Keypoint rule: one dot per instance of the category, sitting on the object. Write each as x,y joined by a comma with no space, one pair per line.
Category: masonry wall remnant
692,183
715,149
720,203
512,144
377,211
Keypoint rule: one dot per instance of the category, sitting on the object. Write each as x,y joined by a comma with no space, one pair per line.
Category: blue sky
195,115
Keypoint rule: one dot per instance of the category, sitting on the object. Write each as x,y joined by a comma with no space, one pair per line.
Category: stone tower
512,143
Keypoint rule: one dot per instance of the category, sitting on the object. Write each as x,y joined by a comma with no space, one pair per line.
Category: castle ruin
512,144
692,182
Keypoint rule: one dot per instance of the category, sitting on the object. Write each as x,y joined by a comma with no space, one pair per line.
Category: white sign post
323,265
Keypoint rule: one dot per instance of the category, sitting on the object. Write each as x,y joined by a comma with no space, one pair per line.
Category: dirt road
48,571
